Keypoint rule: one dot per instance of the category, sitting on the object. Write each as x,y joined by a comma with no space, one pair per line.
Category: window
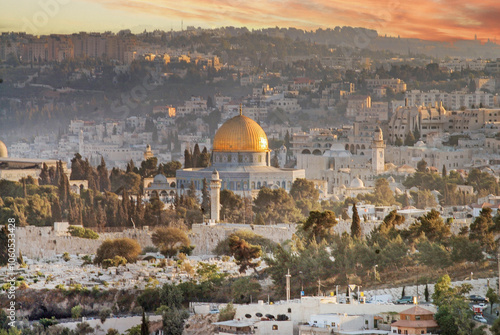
289,310
275,327
417,317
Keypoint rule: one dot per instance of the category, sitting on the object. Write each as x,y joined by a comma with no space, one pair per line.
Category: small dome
357,183
391,180
160,179
3,150
420,144
335,198
343,187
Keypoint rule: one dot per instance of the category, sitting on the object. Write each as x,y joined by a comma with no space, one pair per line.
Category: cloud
425,19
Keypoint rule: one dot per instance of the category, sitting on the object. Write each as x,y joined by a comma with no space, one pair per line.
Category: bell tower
378,148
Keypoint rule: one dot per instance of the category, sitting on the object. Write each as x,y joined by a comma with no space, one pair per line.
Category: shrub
66,257
123,247
76,312
83,232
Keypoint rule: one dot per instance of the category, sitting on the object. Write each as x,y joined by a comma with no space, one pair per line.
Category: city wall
39,242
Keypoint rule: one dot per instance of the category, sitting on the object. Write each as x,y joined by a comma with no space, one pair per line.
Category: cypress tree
104,182
144,324
356,223
188,161
205,204
196,159
44,176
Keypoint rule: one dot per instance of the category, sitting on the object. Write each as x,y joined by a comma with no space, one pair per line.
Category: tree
196,156
276,206
432,225
169,169
204,158
76,312
480,230
169,240
188,160
123,247
104,182
426,293
244,288
304,189
173,321
244,253
383,193
422,166
403,293
492,297
319,225
444,173
144,324
356,223
104,314
409,139
227,313
495,329
205,196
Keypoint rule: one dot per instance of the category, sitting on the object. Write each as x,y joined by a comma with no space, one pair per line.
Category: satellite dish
259,315
248,316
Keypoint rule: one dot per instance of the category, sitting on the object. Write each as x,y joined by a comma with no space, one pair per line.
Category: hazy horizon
437,20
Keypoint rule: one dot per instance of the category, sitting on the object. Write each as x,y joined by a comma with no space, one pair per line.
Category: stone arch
306,152
317,152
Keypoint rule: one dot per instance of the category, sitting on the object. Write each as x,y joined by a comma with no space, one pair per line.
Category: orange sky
426,19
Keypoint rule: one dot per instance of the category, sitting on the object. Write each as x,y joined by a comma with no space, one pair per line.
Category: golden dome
240,134
3,150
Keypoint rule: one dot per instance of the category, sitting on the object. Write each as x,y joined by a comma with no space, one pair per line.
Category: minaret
378,147
148,153
215,185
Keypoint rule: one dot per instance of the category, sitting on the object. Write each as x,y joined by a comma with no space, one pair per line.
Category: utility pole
288,286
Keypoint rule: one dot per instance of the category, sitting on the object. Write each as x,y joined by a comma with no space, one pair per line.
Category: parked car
478,299
480,318
405,300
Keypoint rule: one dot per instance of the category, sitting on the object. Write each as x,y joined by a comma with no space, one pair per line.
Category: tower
148,153
215,185
378,148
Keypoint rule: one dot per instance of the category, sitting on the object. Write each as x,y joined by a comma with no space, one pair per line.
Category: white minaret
378,148
215,185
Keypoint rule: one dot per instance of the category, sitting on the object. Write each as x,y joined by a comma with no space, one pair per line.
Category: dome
3,150
357,183
391,180
160,179
240,134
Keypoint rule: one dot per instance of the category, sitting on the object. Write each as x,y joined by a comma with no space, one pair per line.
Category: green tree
319,225
76,312
276,206
480,230
422,166
432,225
244,253
171,296
426,293
169,240
383,193
356,231
304,189
173,321
144,324
244,289
492,297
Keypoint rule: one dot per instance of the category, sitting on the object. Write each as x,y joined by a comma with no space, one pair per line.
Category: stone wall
206,236
40,242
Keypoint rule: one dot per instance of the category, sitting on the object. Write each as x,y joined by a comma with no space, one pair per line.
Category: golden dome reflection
240,134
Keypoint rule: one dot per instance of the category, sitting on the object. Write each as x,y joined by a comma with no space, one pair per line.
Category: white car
480,318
